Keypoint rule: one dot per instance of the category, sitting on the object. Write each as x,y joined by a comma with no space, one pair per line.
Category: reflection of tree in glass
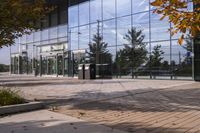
156,57
121,62
98,52
185,67
165,65
188,44
135,49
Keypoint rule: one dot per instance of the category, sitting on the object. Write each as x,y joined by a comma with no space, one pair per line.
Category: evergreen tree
120,61
156,57
4,68
165,65
188,47
98,52
135,49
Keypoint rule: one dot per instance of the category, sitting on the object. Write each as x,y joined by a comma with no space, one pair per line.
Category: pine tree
156,57
98,52
135,49
120,61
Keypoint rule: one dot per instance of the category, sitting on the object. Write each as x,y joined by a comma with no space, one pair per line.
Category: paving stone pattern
136,106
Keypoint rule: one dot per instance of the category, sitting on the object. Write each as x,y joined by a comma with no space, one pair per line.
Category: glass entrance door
44,65
60,65
51,65
66,67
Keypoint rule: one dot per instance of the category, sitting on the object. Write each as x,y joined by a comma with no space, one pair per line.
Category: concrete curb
21,108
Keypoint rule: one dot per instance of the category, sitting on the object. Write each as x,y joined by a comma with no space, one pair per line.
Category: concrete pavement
135,106
49,122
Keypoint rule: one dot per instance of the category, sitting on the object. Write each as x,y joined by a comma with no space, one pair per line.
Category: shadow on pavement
57,126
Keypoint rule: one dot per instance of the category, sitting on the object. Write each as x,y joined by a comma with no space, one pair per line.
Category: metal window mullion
171,67
150,40
116,29
78,25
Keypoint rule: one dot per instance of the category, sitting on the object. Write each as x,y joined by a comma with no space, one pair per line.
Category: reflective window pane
108,9
37,36
84,13
73,33
141,22
63,16
123,7
95,10
23,39
73,16
160,60
159,29
53,33
62,31
109,32
182,59
94,29
83,37
140,5
123,26
54,19
29,38
45,35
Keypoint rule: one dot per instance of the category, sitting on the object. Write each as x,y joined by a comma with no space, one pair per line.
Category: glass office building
124,38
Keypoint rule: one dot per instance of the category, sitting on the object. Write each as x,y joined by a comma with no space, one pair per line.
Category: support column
47,60
40,67
57,65
196,44
197,58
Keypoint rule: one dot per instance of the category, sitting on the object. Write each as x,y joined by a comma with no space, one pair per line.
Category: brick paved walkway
173,110
136,106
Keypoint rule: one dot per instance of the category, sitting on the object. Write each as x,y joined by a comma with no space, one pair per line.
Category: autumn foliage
177,12
18,17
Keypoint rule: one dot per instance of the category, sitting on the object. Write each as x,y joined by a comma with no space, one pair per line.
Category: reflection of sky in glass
140,6
124,24
114,29
159,29
95,10
140,19
84,37
123,7
108,9
109,32
83,13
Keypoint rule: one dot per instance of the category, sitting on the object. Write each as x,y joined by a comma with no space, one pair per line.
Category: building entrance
51,65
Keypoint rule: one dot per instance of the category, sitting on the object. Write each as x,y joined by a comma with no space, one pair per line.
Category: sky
5,55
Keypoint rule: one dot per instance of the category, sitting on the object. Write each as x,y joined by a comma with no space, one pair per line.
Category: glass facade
138,44
40,51
124,38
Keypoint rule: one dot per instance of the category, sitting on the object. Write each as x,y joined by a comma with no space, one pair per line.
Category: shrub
4,68
9,97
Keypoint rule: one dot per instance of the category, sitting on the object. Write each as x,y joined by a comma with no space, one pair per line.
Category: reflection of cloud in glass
140,19
108,9
140,5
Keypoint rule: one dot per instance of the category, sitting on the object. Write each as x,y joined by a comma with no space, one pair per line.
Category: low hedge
9,97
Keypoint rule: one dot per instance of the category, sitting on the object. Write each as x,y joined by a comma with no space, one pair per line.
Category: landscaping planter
21,108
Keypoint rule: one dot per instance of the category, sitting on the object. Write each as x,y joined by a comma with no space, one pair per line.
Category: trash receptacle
81,71
90,71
